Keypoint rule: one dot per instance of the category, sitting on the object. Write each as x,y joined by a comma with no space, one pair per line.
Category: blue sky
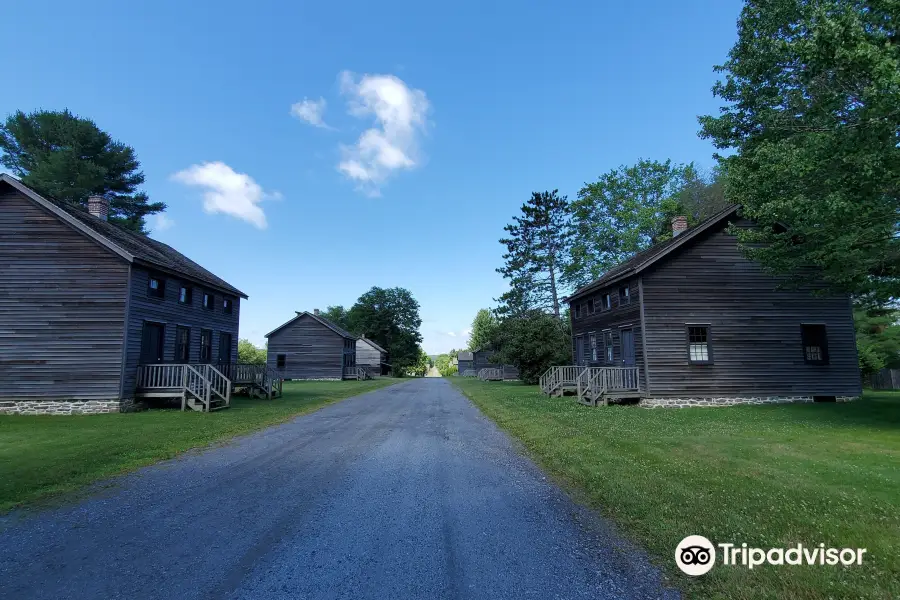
308,151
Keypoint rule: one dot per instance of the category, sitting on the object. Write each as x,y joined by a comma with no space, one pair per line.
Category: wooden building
465,362
477,360
371,357
89,311
691,321
309,346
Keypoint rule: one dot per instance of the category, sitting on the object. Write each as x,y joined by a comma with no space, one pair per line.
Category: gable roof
373,344
132,246
645,258
338,330
465,356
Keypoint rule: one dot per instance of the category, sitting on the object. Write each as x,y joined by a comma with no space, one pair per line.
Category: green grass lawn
42,456
770,476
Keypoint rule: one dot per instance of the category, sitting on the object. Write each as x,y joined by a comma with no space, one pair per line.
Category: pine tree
537,248
68,158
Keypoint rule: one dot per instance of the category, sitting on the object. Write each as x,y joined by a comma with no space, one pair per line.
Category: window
280,360
182,344
624,295
593,341
590,306
205,345
156,287
209,301
226,305
607,302
185,295
608,345
578,311
815,344
699,351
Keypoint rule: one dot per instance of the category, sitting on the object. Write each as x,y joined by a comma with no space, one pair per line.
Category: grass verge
42,456
768,476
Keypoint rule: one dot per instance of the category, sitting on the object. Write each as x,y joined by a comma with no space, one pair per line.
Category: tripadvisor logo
696,555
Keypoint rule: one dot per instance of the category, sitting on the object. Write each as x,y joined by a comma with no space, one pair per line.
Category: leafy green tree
69,158
625,211
250,354
338,315
877,337
483,328
811,121
444,366
420,366
537,246
391,318
533,342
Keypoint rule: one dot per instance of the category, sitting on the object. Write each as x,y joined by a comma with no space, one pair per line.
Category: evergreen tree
483,328
537,247
68,158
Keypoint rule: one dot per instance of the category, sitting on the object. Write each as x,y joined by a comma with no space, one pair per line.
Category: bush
533,342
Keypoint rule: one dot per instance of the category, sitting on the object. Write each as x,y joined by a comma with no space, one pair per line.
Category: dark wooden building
84,302
372,357
309,346
704,325
465,361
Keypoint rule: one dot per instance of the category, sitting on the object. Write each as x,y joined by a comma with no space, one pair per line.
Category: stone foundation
68,407
730,401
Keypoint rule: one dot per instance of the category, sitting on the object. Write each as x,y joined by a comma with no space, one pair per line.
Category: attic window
209,301
607,302
578,311
156,287
185,295
590,306
227,306
624,295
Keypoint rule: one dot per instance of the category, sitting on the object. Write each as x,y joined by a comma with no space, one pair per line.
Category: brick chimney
99,207
315,311
679,225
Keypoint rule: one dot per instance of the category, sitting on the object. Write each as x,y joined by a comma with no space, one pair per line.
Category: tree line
808,145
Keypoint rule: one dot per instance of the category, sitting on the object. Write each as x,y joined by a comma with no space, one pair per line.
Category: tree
483,328
625,211
444,366
391,318
419,367
533,343
250,354
338,315
812,118
69,159
877,337
536,251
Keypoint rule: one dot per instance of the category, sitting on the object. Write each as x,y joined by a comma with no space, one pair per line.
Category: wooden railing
490,374
595,382
356,372
556,377
194,383
470,373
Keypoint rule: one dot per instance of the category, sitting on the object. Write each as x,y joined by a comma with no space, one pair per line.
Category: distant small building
309,346
371,356
465,361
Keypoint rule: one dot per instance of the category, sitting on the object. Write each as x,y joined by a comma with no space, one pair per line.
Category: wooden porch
593,385
357,372
204,387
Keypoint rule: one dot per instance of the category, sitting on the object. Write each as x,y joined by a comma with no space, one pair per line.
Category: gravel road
405,492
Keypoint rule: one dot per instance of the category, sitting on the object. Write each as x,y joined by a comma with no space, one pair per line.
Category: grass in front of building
769,476
43,456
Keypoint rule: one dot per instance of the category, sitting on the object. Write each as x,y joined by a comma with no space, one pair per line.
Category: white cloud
310,111
451,334
392,144
467,331
160,222
228,192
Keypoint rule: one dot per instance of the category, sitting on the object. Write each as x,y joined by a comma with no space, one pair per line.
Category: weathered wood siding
368,356
465,365
171,313
312,350
620,316
755,334
62,308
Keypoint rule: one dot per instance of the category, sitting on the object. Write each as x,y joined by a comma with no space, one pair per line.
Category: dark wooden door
579,350
224,347
152,339
205,346
628,347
